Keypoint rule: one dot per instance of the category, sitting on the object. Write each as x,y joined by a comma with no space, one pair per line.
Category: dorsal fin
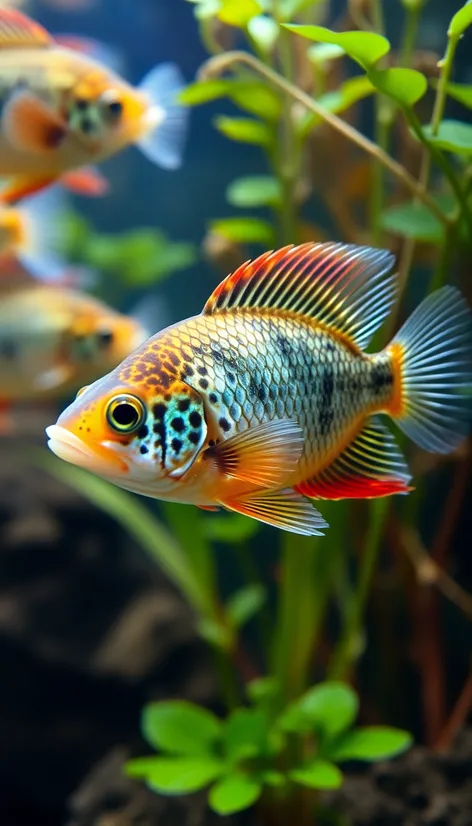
342,286
19,31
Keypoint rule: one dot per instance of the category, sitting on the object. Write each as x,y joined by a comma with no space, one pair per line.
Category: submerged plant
411,189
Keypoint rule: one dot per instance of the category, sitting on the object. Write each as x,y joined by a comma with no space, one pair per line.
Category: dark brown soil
89,632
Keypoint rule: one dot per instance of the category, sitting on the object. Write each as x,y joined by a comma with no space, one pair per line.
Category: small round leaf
183,775
234,793
318,774
254,191
370,743
180,727
461,21
366,48
404,86
331,707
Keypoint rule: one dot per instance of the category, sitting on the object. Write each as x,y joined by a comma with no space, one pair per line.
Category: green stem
412,18
217,65
347,650
443,266
297,608
287,162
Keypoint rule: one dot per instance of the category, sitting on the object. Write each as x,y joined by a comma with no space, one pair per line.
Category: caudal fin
40,248
433,356
164,144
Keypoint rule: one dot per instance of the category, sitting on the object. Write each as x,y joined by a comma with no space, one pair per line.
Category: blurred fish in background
62,109
56,339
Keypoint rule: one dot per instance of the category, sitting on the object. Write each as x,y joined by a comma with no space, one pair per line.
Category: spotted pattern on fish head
103,110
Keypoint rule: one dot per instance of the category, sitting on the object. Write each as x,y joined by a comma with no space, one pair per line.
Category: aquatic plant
410,189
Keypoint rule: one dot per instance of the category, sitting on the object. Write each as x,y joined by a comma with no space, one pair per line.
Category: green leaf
452,136
331,707
273,778
249,95
461,21
238,12
183,775
216,634
264,31
287,9
231,529
322,53
245,734
257,99
412,220
366,48
180,727
233,794
263,689
318,774
462,92
244,230
254,191
244,604
404,86
370,743
244,130
140,766
349,93
204,91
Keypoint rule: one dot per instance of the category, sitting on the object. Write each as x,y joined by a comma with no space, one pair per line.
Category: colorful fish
53,340
268,398
31,234
61,109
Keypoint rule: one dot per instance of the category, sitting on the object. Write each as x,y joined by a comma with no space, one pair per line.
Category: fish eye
104,338
82,390
112,103
115,107
125,414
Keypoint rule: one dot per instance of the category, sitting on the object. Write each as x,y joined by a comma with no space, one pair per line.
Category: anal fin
283,509
371,466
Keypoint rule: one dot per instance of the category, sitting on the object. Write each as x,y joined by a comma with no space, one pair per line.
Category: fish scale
251,370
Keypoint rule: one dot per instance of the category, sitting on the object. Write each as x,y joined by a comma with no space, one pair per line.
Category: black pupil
125,414
115,107
105,338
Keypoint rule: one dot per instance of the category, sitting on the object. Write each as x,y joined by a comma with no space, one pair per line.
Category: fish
54,339
31,234
267,400
62,110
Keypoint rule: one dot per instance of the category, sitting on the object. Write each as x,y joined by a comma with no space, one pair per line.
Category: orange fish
53,339
31,234
61,109
268,399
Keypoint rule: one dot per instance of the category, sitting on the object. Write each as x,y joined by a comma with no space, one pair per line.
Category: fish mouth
70,448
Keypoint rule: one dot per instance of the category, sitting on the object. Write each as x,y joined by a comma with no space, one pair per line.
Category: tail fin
433,354
164,144
40,249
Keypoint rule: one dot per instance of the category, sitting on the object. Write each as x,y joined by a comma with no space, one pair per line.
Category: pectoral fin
264,455
30,125
87,181
53,378
283,509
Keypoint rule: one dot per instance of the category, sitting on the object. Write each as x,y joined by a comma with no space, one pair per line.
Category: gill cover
179,429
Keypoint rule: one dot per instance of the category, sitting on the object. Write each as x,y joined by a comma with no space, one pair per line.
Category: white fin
435,361
151,313
42,228
164,142
53,378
